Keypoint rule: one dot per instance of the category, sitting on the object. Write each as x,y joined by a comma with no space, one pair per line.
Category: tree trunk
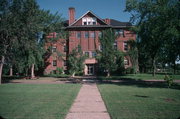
11,71
154,67
32,71
174,67
1,67
73,74
108,73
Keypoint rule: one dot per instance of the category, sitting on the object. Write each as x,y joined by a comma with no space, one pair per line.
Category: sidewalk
88,104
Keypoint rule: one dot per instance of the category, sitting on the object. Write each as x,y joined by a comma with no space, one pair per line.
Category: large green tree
21,22
133,54
154,18
108,57
76,60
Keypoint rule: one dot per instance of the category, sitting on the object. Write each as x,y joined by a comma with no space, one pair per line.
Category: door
90,69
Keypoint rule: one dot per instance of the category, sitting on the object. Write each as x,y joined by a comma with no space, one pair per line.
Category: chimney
107,21
71,15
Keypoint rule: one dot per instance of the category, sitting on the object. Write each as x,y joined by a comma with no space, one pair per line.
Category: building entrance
90,69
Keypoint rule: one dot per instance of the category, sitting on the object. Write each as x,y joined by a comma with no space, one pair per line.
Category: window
54,49
100,48
78,35
65,63
125,46
120,32
126,62
100,34
87,54
64,48
54,63
92,35
89,21
115,45
86,34
84,23
93,54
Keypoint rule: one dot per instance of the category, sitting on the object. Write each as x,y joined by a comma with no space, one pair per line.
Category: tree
108,55
76,61
154,19
9,25
22,21
133,54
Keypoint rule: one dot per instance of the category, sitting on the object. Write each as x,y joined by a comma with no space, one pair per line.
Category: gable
88,19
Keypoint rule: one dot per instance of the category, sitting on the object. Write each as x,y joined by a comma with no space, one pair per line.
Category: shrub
130,70
169,80
59,70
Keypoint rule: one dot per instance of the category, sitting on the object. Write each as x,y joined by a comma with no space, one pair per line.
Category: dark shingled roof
118,23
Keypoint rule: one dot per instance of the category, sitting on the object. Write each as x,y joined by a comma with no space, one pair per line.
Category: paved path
88,104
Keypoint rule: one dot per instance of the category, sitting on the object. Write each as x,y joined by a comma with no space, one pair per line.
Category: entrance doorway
90,69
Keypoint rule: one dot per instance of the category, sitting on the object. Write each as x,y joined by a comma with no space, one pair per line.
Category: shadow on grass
139,83
2,117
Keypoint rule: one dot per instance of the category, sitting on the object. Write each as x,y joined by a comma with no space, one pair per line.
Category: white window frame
125,45
89,21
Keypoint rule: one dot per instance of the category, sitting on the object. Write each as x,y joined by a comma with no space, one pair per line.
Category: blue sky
102,8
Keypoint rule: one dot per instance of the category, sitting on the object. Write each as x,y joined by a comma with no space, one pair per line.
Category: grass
38,101
134,101
140,77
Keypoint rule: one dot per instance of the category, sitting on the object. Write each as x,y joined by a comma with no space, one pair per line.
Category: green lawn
141,77
38,101
128,101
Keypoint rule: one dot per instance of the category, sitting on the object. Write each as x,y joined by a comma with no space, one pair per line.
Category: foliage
23,29
59,70
139,76
169,80
130,70
52,74
109,58
157,27
75,61
133,54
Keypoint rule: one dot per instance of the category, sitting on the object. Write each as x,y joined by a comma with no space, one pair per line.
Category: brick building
86,31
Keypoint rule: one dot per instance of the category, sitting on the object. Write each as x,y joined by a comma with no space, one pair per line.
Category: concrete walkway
88,104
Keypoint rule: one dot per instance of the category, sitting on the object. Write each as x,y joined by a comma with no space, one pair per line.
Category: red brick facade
85,31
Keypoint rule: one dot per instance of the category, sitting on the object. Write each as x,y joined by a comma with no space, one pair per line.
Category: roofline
121,26
98,26
90,26
84,15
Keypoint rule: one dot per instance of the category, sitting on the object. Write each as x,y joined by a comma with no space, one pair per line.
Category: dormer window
94,23
84,23
89,21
